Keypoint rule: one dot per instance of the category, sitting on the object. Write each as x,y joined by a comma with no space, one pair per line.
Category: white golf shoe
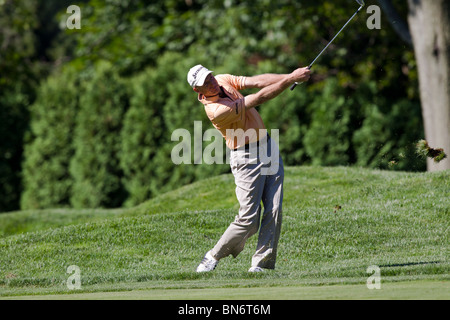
256,269
208,263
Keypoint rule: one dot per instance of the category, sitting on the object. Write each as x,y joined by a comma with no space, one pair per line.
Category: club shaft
310,65
333,38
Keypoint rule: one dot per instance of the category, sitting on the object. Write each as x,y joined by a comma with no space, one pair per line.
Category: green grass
398,221
412,290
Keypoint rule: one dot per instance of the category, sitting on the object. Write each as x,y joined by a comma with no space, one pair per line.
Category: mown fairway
417,290
337,223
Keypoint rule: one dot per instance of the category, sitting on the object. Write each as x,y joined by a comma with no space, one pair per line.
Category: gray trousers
258,178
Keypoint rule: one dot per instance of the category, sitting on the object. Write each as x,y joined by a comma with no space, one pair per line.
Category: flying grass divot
424,150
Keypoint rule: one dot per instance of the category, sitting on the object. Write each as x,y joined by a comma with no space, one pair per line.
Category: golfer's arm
263,80
268,92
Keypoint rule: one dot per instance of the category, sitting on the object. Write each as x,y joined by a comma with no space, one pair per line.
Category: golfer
242,127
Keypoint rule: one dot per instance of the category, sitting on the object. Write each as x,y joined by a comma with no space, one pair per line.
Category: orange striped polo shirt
227,111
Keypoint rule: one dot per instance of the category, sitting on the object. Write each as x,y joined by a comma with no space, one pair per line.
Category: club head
361,3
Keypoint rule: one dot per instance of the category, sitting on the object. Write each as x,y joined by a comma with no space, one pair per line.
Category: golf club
361,3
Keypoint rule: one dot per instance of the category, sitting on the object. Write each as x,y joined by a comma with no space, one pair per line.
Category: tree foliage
95,166
100,131
17,85
46,175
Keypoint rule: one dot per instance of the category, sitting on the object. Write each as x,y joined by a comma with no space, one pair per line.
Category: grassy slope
198,196
398,221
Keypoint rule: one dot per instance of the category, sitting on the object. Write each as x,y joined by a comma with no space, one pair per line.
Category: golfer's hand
301,74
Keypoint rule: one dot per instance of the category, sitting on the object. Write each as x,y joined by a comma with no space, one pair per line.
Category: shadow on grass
408,264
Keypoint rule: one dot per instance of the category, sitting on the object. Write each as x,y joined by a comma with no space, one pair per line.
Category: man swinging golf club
240,124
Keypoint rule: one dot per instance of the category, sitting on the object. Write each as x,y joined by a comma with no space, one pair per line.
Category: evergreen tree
95,165
141,136
46,178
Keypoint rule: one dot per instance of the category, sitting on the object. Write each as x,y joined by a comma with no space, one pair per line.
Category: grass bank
337,222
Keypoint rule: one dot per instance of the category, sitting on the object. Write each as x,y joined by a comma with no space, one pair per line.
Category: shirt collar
207,100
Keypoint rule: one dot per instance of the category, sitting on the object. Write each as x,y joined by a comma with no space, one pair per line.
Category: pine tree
141,135
95,165
46,178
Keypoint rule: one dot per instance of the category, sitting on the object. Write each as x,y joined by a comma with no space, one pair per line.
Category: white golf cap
197,75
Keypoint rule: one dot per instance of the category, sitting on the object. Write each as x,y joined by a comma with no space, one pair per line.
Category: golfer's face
210,85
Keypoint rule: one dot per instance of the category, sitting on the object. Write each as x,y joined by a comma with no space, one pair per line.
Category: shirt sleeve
238,82
226,114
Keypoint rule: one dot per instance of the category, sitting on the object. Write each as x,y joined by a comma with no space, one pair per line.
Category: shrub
46,177
95,166
327,140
